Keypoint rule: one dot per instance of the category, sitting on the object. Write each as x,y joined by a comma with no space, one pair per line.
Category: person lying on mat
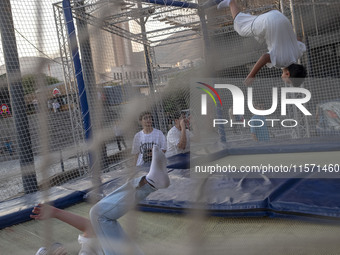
102,234
277,32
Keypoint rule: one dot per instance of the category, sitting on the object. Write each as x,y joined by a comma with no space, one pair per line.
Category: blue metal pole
78,69
172,3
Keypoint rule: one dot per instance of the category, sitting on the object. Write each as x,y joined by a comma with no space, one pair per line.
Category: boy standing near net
277,32
145,139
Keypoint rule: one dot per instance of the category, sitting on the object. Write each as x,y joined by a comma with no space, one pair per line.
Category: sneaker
42,251
158,175
55,248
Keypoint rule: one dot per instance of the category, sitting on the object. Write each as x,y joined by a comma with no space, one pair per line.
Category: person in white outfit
178,138
277,32
145,139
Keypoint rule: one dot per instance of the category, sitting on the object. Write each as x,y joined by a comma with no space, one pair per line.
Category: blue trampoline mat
301,198
313,199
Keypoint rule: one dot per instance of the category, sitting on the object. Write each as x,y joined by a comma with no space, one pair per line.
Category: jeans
105,213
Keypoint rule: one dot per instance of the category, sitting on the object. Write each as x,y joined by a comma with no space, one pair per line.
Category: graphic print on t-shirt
146,151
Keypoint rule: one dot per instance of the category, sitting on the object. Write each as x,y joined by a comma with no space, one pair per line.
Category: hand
43,212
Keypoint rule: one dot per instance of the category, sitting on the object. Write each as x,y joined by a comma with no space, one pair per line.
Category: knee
95,213
104,211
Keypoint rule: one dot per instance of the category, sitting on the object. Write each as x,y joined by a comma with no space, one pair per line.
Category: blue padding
319,197
306,206
179,161
294,198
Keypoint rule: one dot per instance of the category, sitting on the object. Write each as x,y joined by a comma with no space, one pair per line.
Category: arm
264,59
183,140
44,211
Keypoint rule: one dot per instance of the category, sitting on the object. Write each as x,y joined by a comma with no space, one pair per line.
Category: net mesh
136,56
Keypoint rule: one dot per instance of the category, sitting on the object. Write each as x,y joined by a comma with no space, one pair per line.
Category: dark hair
143,114
176,115
297,74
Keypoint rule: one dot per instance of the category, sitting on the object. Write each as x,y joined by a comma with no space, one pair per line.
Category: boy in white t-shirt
277,32
145,139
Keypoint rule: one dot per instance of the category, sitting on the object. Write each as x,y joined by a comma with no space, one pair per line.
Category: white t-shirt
143,143
173,138
276,30
89,246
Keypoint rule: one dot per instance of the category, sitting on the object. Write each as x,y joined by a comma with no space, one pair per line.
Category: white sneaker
56,248
223,4
42,251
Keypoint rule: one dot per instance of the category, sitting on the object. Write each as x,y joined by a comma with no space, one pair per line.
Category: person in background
178,138
259,129
145,139
235,119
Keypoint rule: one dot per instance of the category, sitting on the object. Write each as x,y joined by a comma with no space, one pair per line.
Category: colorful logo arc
209,93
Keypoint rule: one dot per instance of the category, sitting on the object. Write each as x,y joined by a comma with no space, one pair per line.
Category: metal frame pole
209,66
18,105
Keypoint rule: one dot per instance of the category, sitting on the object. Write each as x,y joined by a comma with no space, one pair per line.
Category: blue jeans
105,213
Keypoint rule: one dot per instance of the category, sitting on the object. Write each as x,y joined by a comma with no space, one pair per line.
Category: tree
29,82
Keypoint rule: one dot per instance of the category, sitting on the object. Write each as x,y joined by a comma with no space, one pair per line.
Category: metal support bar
70,85
18,105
